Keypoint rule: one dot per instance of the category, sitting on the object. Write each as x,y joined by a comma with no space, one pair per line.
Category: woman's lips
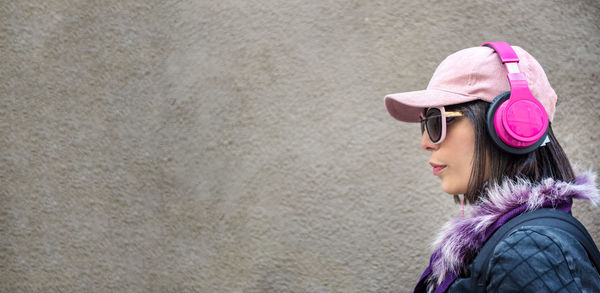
437,168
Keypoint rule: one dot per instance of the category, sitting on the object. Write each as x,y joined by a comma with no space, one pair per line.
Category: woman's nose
426,143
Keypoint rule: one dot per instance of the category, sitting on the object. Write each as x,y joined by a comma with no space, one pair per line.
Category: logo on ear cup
517,127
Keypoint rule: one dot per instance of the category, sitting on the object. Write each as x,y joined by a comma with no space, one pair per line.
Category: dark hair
548,161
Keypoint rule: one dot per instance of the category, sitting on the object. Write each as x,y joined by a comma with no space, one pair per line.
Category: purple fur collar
460,239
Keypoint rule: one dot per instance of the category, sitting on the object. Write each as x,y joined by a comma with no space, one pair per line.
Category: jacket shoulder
541,259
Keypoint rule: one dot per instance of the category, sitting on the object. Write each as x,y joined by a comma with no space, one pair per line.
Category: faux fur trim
460,239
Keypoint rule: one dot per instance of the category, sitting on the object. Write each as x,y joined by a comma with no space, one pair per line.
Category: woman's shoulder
539,257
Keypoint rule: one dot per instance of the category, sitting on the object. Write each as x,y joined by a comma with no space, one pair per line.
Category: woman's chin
452,189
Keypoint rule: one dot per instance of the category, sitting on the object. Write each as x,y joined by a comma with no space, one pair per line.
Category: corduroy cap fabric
467,75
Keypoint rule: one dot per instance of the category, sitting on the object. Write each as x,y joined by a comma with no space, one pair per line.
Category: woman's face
452,159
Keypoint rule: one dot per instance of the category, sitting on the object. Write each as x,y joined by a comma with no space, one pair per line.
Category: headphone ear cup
491,116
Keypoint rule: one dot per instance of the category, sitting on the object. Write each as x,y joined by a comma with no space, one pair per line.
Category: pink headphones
516,120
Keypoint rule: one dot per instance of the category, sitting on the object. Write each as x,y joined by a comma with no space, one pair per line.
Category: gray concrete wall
243,146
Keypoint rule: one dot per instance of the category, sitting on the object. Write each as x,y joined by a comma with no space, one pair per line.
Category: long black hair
548,161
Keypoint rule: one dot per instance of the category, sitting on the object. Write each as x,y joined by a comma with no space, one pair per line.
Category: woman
485,118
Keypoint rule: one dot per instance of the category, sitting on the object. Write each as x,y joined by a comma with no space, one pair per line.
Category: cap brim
408,106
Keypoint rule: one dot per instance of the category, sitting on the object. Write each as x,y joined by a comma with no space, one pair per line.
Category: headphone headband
504,50
517,80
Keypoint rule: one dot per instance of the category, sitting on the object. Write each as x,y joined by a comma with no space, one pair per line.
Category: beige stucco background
243,145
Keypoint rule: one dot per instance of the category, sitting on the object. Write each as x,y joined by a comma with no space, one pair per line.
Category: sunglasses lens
434,124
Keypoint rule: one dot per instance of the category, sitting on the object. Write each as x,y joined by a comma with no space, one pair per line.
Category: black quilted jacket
531,258
537,259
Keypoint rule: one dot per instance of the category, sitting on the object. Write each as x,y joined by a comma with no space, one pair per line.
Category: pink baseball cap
467,75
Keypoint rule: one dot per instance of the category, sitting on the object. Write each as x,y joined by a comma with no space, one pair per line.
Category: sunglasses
435,120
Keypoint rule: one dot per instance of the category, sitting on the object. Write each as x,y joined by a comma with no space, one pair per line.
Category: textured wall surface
243,146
